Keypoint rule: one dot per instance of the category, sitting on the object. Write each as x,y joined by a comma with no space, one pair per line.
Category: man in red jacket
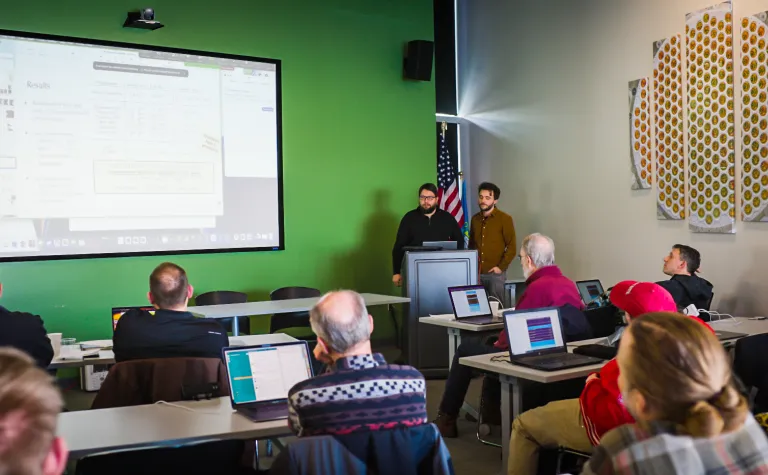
580,423
546,286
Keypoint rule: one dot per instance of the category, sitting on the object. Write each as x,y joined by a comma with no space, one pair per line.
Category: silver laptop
470,305
536,340
589,290
260,377
444,245
724,335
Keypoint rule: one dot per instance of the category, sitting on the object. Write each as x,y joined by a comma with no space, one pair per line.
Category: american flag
448,189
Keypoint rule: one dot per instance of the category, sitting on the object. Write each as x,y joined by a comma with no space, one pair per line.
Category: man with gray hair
360,392
546,286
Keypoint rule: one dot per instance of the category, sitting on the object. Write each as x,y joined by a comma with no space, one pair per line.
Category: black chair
709,302
294,319
603,320
401,451
218,297
751,366
282,321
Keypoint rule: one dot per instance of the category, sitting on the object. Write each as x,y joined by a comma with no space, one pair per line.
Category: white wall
544,84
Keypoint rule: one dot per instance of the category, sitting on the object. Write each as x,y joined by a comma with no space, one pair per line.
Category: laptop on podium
471,305
260,377
536,340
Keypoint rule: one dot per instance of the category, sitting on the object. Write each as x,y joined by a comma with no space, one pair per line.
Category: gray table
156,425
511,375
271,307
107,357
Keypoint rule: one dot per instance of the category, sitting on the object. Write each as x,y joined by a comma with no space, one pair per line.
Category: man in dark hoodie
686,287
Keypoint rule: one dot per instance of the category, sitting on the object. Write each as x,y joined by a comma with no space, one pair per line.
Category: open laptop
118,312
445,245
470,305
723,335
589,290
536,340
260,377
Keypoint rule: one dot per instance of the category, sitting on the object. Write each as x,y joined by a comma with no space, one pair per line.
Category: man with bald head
360,392
170,331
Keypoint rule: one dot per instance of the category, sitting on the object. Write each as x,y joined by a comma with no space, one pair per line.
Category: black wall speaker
418,60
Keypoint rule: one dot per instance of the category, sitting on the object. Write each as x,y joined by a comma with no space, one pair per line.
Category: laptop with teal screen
260,377
536,340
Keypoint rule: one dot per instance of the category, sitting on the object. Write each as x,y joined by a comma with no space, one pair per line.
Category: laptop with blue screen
260,377
471,305
536,340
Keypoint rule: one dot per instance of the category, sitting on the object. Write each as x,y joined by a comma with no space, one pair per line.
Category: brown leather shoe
447,426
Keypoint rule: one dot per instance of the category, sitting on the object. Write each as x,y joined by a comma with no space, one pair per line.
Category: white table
271,307
156,425
108,357
512,391
455,328
511,375
740,325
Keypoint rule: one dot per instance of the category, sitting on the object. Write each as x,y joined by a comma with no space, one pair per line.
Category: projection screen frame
182,51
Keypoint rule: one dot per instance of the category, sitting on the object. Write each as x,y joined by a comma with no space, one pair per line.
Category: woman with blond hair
675,378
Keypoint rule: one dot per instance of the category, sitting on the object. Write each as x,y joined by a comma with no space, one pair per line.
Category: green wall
358,141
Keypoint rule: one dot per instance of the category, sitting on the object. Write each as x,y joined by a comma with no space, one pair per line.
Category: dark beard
427,211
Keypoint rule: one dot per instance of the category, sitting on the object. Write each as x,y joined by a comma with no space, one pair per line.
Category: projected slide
117,149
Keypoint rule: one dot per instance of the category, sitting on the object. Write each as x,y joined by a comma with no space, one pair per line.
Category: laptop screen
118,312
589,290
470,301
266,372
533,330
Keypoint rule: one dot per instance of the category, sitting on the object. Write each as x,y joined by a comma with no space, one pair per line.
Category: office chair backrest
751,366
285,293
218,297
401,451
294,319
132,383
603,320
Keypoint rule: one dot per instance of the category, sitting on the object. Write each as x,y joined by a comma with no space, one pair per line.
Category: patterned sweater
359,393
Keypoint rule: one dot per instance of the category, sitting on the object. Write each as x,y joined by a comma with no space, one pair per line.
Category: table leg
511,403
398,335
454,340
235,326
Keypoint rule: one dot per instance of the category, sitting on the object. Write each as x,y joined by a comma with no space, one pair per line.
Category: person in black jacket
26,332
426,223
170,331
686,287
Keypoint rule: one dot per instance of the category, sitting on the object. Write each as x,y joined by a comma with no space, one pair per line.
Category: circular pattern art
754,161
711,157
640,133
668,100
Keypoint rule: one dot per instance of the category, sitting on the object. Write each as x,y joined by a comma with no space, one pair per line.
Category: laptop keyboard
560,358
546,359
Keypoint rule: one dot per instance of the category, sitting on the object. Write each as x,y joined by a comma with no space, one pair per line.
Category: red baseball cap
638,298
